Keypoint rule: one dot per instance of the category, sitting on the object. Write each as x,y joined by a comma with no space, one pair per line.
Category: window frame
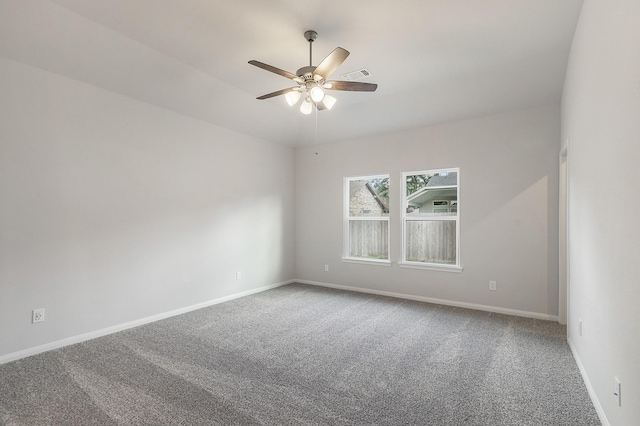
347,219
457,267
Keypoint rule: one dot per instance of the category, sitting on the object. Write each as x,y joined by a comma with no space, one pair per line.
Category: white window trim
404,218
431,266
347,219
377,262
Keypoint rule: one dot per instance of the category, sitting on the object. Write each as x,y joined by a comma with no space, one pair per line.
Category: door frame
564,282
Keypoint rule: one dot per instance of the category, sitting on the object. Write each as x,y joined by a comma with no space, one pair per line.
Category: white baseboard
587,382
475,306
120,327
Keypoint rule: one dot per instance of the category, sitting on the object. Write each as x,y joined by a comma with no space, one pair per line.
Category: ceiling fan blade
274,70
331,62
351,86
279,92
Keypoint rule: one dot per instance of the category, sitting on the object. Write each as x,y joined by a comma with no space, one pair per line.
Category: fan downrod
306,72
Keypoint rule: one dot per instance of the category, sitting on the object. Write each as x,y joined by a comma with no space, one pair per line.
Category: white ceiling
433,60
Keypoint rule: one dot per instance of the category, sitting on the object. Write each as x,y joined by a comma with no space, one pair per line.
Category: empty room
420,212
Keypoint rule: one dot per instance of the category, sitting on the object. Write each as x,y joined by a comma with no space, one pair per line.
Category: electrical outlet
37,315
492,286
238,275
617,391
326,268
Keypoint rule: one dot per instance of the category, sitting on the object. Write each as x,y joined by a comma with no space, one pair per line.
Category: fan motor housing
306,73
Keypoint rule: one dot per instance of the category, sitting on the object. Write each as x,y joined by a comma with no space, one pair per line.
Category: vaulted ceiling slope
434,60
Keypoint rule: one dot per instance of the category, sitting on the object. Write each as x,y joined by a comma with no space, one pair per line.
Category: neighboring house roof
450,178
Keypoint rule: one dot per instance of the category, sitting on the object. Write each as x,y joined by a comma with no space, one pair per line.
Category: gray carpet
307,355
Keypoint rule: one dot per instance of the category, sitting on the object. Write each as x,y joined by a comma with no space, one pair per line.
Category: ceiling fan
313,81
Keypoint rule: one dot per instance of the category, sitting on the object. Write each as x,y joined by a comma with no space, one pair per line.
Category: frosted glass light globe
292,97
306,107
329,101
316,93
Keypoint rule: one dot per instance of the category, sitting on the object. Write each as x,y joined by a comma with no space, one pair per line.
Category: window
430,231
366,225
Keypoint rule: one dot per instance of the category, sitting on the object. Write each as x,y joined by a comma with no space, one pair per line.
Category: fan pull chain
316,129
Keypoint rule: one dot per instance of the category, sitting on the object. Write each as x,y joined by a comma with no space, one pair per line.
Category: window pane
369,239
431,241
431,194
418,181
369,197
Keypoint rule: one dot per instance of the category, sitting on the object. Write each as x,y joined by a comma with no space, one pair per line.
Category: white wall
508,209
113,210
600,117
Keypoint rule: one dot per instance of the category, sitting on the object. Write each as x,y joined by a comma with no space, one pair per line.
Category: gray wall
600,118
113,210
508,209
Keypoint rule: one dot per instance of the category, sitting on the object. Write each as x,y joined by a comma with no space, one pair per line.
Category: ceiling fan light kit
312,81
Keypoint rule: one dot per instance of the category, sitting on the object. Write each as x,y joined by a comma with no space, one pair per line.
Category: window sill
366,261
431,267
